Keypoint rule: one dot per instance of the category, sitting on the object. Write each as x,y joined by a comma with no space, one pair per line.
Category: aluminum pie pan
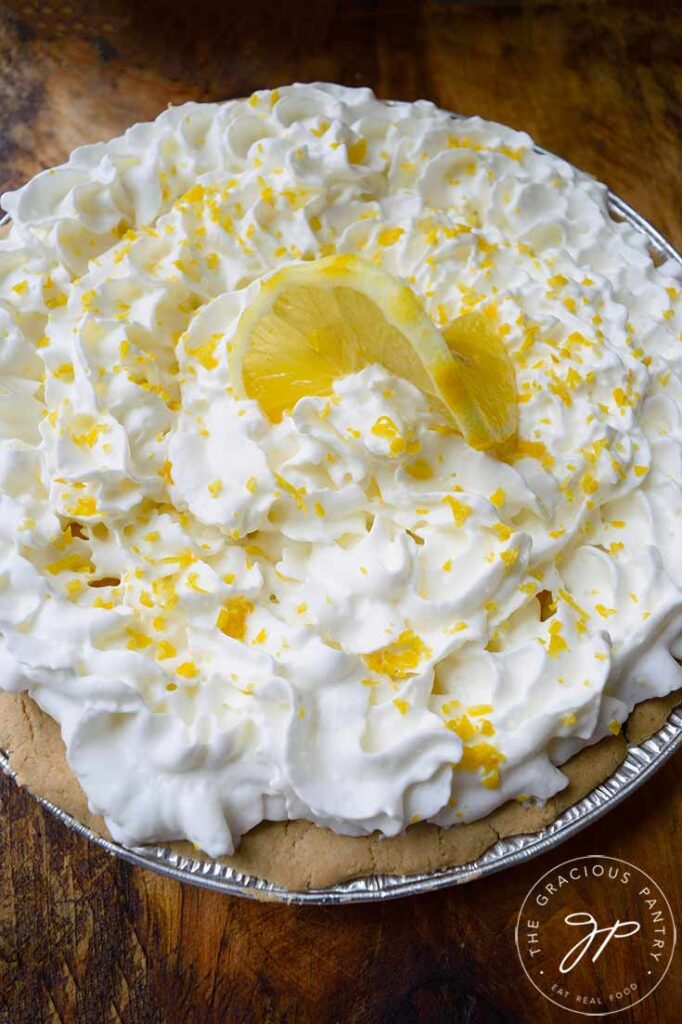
640,763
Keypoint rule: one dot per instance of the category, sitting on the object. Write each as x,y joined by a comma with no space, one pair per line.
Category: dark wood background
84,938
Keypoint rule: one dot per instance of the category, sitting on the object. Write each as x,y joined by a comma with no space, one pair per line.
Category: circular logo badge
595,935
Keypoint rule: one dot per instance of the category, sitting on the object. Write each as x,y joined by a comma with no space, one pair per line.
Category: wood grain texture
85,938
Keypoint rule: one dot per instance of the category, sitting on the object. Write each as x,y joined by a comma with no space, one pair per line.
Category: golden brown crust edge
299,855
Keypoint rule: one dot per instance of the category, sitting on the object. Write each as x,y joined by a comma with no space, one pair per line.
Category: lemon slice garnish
315,322
483,388
312,323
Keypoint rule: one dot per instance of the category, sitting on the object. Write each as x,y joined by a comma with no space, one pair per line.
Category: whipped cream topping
350,616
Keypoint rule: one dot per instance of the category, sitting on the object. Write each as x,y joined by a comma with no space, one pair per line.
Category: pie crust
299,855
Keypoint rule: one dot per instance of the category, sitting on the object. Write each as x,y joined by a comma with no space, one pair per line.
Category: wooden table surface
85,938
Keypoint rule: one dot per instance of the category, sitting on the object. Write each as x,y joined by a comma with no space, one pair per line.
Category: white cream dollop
350,616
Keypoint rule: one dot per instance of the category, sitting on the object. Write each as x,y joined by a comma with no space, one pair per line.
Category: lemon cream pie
341,462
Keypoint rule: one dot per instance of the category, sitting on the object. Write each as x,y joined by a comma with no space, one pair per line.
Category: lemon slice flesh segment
312,323
483,385
315,322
